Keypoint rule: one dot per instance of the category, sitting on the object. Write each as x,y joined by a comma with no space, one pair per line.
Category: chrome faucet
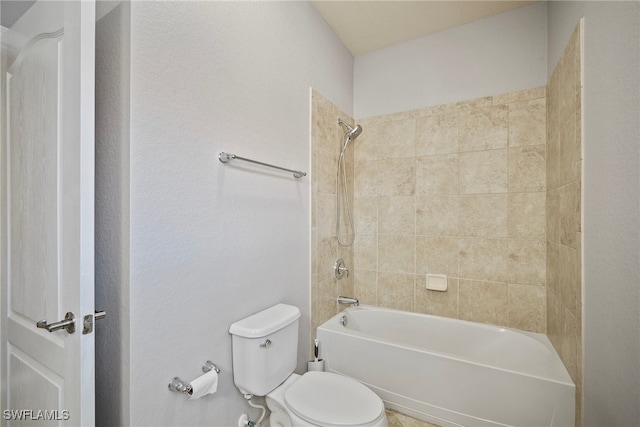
348,300
340,269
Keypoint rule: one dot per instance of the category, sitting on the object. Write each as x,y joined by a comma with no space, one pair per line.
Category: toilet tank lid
265,322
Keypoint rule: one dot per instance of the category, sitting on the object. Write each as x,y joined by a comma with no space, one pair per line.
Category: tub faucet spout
348,300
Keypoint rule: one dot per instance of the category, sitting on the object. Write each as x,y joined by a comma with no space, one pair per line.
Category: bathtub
450,372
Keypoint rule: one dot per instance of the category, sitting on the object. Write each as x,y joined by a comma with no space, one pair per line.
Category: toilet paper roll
204,384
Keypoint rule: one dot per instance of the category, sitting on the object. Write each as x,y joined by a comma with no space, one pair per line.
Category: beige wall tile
437,215
365,213
366,286
437,174
402,115
326,162
578,127
523,95
528,308
553,216
553,267
314,251
327,253
485,302
576,51
568,155
568,278
553,162
367,147
314,190
436,110
526,218
554,319
436,302
483,215
346,285
566,84
564,187
527,262
396,290
552,107
484,128
366,179
483,259
527,169
397,215
437,255
484,172
346,254
578,282
396,177
396,254
437,135
568,214
475,104
326,139
365,251
397,139
325,303
325,130
527,123
326,214
314,302
578,198
569,342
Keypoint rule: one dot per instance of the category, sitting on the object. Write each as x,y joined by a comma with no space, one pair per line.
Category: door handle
68,324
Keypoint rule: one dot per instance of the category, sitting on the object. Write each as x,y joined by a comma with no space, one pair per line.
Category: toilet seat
327,399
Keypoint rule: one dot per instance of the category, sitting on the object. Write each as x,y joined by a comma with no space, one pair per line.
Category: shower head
352,131
355,131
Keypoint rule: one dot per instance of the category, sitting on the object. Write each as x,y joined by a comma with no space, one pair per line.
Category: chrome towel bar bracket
227,157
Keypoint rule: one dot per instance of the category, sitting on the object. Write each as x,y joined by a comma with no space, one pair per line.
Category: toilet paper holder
180,386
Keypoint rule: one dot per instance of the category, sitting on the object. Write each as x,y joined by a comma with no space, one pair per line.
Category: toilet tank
265,349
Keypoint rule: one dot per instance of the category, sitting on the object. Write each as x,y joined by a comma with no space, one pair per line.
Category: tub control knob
340,269
266,344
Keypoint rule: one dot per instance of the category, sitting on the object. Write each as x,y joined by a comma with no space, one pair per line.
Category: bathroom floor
396,419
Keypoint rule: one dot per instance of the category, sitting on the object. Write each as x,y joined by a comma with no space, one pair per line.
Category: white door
48,216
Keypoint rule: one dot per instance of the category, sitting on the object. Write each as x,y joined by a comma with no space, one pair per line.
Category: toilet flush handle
266,344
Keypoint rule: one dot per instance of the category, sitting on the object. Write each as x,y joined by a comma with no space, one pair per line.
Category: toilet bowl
324,399
265,347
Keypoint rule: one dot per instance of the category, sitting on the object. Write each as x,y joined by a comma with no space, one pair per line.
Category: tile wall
486,191
456,189
327,138
564,211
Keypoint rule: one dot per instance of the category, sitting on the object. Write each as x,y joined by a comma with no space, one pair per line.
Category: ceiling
365,25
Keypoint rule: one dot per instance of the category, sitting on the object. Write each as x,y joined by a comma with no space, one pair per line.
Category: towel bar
227,157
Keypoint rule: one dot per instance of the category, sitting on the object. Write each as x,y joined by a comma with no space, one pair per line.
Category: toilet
265,353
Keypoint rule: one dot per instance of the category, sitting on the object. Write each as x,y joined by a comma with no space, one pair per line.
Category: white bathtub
451,372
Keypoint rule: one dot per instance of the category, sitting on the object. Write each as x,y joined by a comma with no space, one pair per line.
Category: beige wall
327,138
456,189
564,212
485,191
